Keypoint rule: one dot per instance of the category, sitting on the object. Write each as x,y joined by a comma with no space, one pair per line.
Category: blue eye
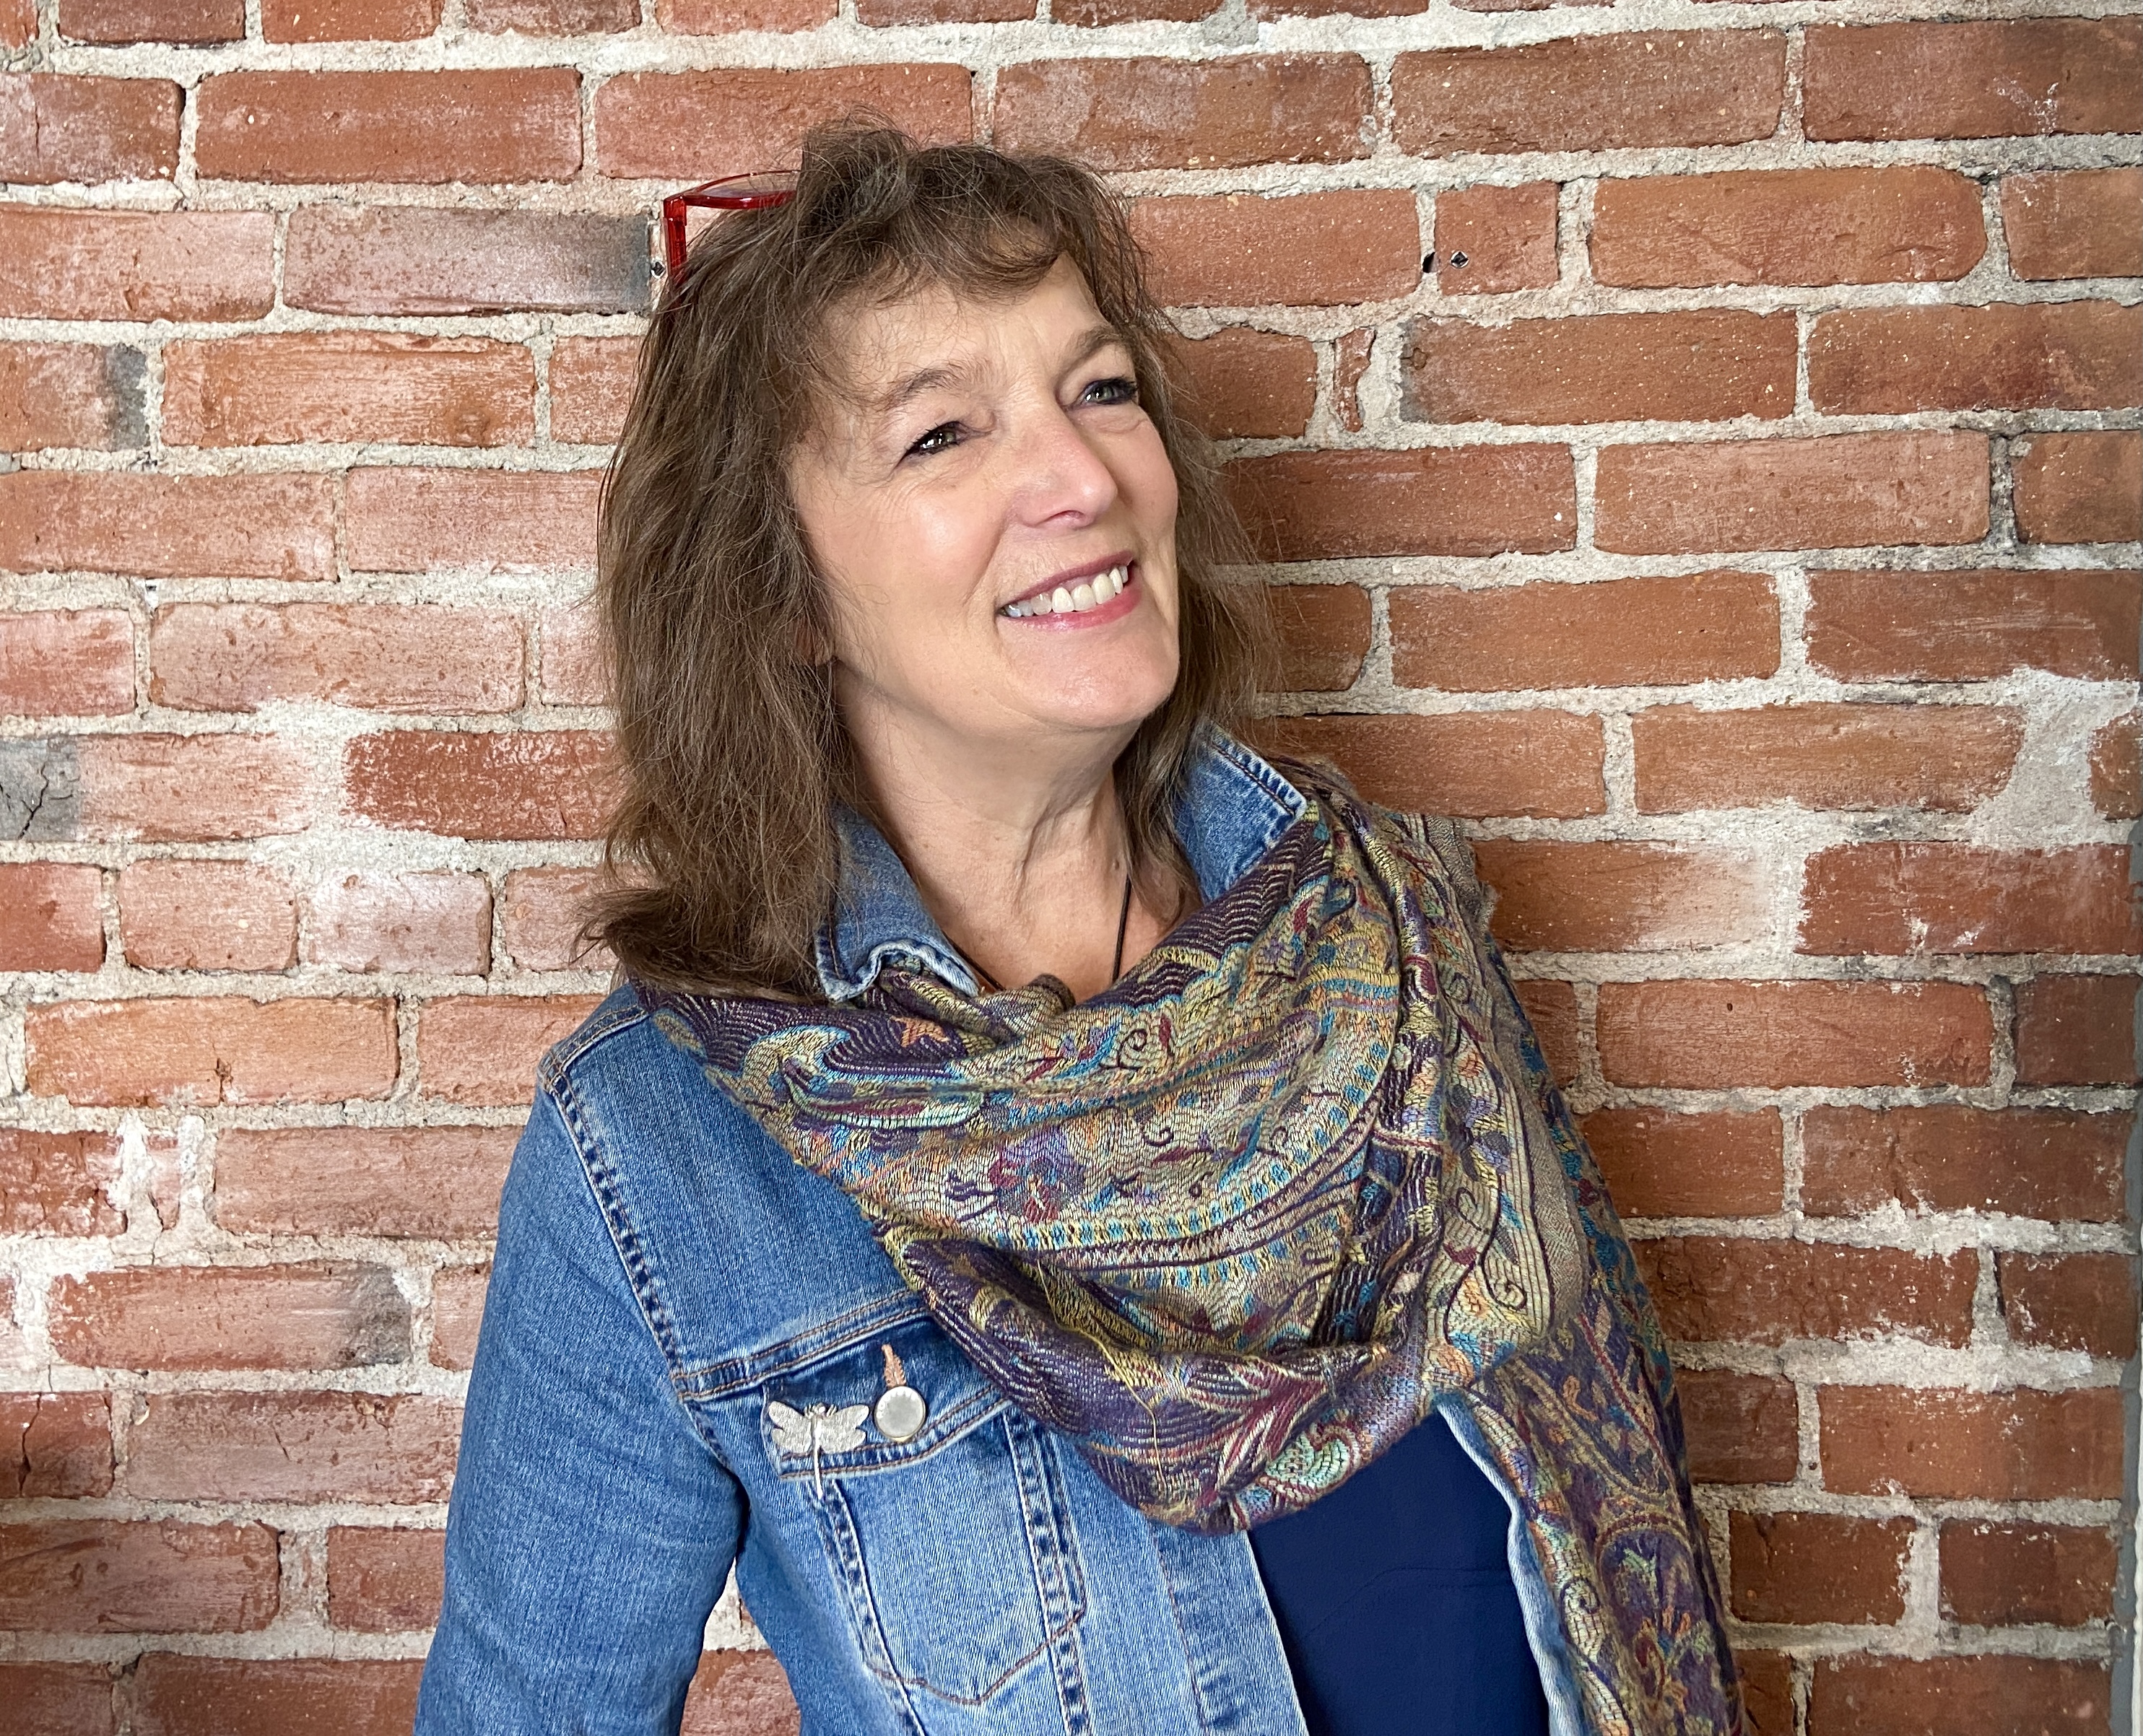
1119,390
943,437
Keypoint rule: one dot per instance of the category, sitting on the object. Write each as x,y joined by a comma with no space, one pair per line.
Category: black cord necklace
1116,965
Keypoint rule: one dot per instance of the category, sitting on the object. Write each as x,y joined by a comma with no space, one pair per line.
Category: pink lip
1115,609
1070,577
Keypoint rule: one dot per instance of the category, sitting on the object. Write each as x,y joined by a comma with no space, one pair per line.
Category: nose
1062,479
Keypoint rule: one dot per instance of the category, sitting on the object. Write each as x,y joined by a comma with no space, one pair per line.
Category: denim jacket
673,1295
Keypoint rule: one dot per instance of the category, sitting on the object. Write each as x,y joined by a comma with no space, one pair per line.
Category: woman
1070,1208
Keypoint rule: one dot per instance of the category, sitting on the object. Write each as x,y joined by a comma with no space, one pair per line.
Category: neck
1020,853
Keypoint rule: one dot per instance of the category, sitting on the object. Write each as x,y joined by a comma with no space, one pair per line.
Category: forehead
886,346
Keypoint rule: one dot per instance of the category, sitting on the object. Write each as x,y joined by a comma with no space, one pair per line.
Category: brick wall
1737,524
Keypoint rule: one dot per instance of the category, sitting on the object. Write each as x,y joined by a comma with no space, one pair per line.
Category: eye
943,437
1117,390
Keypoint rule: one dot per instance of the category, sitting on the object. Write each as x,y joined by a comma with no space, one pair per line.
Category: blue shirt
674,1300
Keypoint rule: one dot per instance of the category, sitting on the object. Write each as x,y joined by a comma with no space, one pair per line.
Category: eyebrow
1096,337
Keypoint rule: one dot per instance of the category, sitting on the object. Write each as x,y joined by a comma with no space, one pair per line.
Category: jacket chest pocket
953,1547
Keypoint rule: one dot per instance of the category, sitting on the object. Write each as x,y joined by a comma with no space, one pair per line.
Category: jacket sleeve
591,1527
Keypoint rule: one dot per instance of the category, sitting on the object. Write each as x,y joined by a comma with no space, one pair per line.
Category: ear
811,646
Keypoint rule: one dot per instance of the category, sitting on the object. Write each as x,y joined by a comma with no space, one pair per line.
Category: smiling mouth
1072,599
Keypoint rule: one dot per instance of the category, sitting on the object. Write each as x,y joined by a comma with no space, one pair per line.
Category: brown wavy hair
722,847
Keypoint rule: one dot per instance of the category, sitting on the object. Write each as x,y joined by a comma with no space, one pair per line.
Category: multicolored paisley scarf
1235,1225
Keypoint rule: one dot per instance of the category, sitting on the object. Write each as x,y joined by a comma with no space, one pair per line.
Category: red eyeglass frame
756,190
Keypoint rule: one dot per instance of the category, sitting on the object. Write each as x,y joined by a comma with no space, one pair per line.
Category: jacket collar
1233,808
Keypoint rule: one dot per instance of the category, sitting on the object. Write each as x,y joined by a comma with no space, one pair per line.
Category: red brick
570,667
152,21
1721,1035
411,259
591,380
1241,250
1808,1567
555,17
2080,487
1350,361
1997,1574
413,921
104,1576
1550,1008
18,28
54,1444
435,1183
380,657
349,386
64,264
2076,1031
942,12
59,663
515,124
1973,81
206,916
739,1693
277,526
1709,626
1974,625
1915,224
718,17
670,126
2012,1446
1437,500
66,1699
2068,223
1178,114
531,784
51,915
84,395
1661,1164
1491,240
458,1293
1553,897
384,1580
1992,1695
1842,491
1767,1691
347,21
1948,758
59,1184
1945,897
2117,767
1633,89
303,1447
1944,1157
416,520
2082,1302
1706,365
175,1695
1480,765
1709,1288
194,1053
2068,355
1324,635
483,1049
1743,1428
56,128
1241,383
255,1317
190,788
542,915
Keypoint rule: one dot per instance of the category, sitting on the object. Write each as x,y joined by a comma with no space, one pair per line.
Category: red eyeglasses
756,191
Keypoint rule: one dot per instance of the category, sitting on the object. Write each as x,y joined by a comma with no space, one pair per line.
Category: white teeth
1077,599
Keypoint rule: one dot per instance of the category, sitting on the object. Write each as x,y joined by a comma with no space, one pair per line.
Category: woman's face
996,517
